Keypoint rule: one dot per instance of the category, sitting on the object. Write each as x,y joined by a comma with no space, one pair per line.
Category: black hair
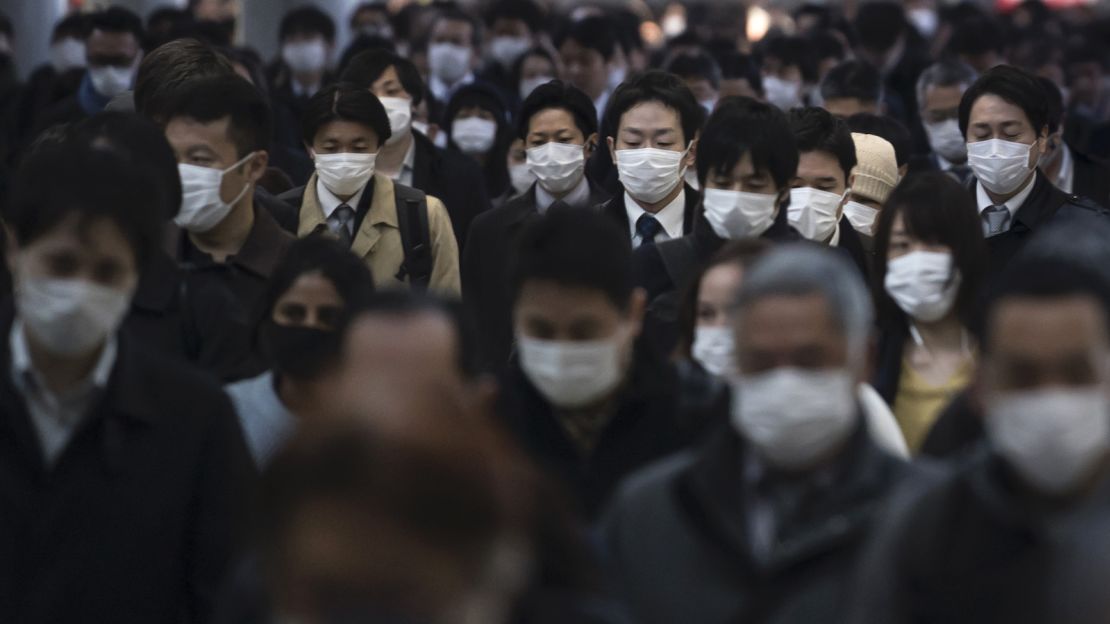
561,95
495,171
853,79
526,11
1016,86
70,26
1055,104
1086,51
367,67
816,130
212,99
575,248
935,209
737,66
826,45
697,65
540,51
454,14
168,73
115,20
307,20
792,51
975,36
593,33
879,24
656,86
58,180
361,45
344,102
741,125
253,63
885,127
377,7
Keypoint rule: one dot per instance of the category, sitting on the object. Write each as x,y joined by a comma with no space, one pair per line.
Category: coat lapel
382,213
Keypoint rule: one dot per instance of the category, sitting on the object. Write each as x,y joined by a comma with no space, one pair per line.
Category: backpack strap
416,238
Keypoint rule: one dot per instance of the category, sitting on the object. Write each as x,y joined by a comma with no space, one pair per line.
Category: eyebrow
658,132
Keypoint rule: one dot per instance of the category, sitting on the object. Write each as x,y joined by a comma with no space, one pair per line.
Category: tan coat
378,239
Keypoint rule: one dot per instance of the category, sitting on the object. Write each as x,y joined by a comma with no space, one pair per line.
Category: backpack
416,238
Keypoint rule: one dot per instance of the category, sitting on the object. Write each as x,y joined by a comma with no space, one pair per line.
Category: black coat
615,210
485,274
958,430
679,541
1091,178
137,521
452,178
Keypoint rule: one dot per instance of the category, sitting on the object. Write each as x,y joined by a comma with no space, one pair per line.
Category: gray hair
944,74
806,268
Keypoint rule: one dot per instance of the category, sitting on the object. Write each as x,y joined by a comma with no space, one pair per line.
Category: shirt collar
578,196
671,217
1012,205
1065,180
23,368
329,202
410,157
300,90
442,91
835,240
601,102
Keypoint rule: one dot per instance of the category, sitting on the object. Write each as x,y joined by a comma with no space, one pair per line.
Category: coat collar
382,211
1041,204
614,207
426,157
261,251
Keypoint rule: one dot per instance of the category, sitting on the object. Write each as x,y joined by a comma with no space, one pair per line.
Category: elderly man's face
789,331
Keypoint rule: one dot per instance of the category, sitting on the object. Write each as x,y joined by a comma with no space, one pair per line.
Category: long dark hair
496,171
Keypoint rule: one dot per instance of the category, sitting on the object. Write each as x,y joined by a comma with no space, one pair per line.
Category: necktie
648,227
340,223
995,220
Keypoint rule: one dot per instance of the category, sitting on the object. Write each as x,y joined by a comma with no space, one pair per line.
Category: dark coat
485,274
679,540
958,430
452,178
615,210
1091,178
888,364
137,521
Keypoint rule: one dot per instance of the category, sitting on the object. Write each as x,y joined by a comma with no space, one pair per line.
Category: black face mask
299,352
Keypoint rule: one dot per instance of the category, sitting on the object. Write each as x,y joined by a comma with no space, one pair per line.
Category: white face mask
306,56
862,217
399,111
521,177
785,94
715,349
813,213
448,62
344,174
473,135
68,53
110,81
1000,166
528,85
69,317
1052,438
925,20
201,206
506,50
558,166
650,174
946,140
572,375
792,416
735,214
922,284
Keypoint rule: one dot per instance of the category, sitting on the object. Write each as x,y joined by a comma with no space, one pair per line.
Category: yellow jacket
378,239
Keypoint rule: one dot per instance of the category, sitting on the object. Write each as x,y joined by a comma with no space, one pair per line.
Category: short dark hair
816,130
116,20
59,180
344,102
365,68
741,125
826,45
306,20
886,127
737,66
166,75
377,7
975,36
561,95
537,51
213,99
879,24
1055,104
363,43
593,33
70,26
853,79
696,65
656,86
792,51
936,209
454,14
1016,86
526,11
578,248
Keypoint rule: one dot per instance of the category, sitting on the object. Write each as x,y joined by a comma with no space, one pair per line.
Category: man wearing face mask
307,39
453,41
584,397
129,467
873,178
765,520
939,91
1071,171
559,128
789,70
54,81
1017,531
511,29
1004,117
587,48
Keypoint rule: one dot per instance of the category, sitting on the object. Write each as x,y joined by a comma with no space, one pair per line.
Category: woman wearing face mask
313,292
929,264
520,175
534,68
477,125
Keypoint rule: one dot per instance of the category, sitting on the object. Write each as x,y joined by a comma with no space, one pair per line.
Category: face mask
1052,438
813,212
616,77
69,317
299,352
792,416
558,166
344,174
862,217
735,214
67,53
109,80
714,348
572,374
650,174
922,284
784,94
946,140
528,85
420,127
448,62
925,20
1000,166
506,50
521,177
474,135
384,31
305,57
201,206
399,111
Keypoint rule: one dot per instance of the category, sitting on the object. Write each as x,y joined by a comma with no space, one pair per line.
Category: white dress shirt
579,196
329,202
671,217
600,103
1065,179
1012,205
441,91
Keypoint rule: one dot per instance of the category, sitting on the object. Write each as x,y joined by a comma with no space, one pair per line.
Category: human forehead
651,114
1032,327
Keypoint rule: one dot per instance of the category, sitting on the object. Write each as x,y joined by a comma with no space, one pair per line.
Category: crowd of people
511,313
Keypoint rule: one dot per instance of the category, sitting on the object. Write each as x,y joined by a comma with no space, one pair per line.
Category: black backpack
416,237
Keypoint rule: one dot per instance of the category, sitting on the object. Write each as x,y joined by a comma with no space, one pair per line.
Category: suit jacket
378,238
614,209
452,178
1091,178
485,273
138,519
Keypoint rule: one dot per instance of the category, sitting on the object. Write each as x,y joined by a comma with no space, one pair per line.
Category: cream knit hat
876,168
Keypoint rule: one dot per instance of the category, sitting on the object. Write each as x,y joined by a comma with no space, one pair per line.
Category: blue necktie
648,227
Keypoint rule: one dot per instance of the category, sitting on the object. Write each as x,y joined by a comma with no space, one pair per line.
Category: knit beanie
876,170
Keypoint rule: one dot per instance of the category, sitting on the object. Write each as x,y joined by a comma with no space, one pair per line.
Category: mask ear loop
244,160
